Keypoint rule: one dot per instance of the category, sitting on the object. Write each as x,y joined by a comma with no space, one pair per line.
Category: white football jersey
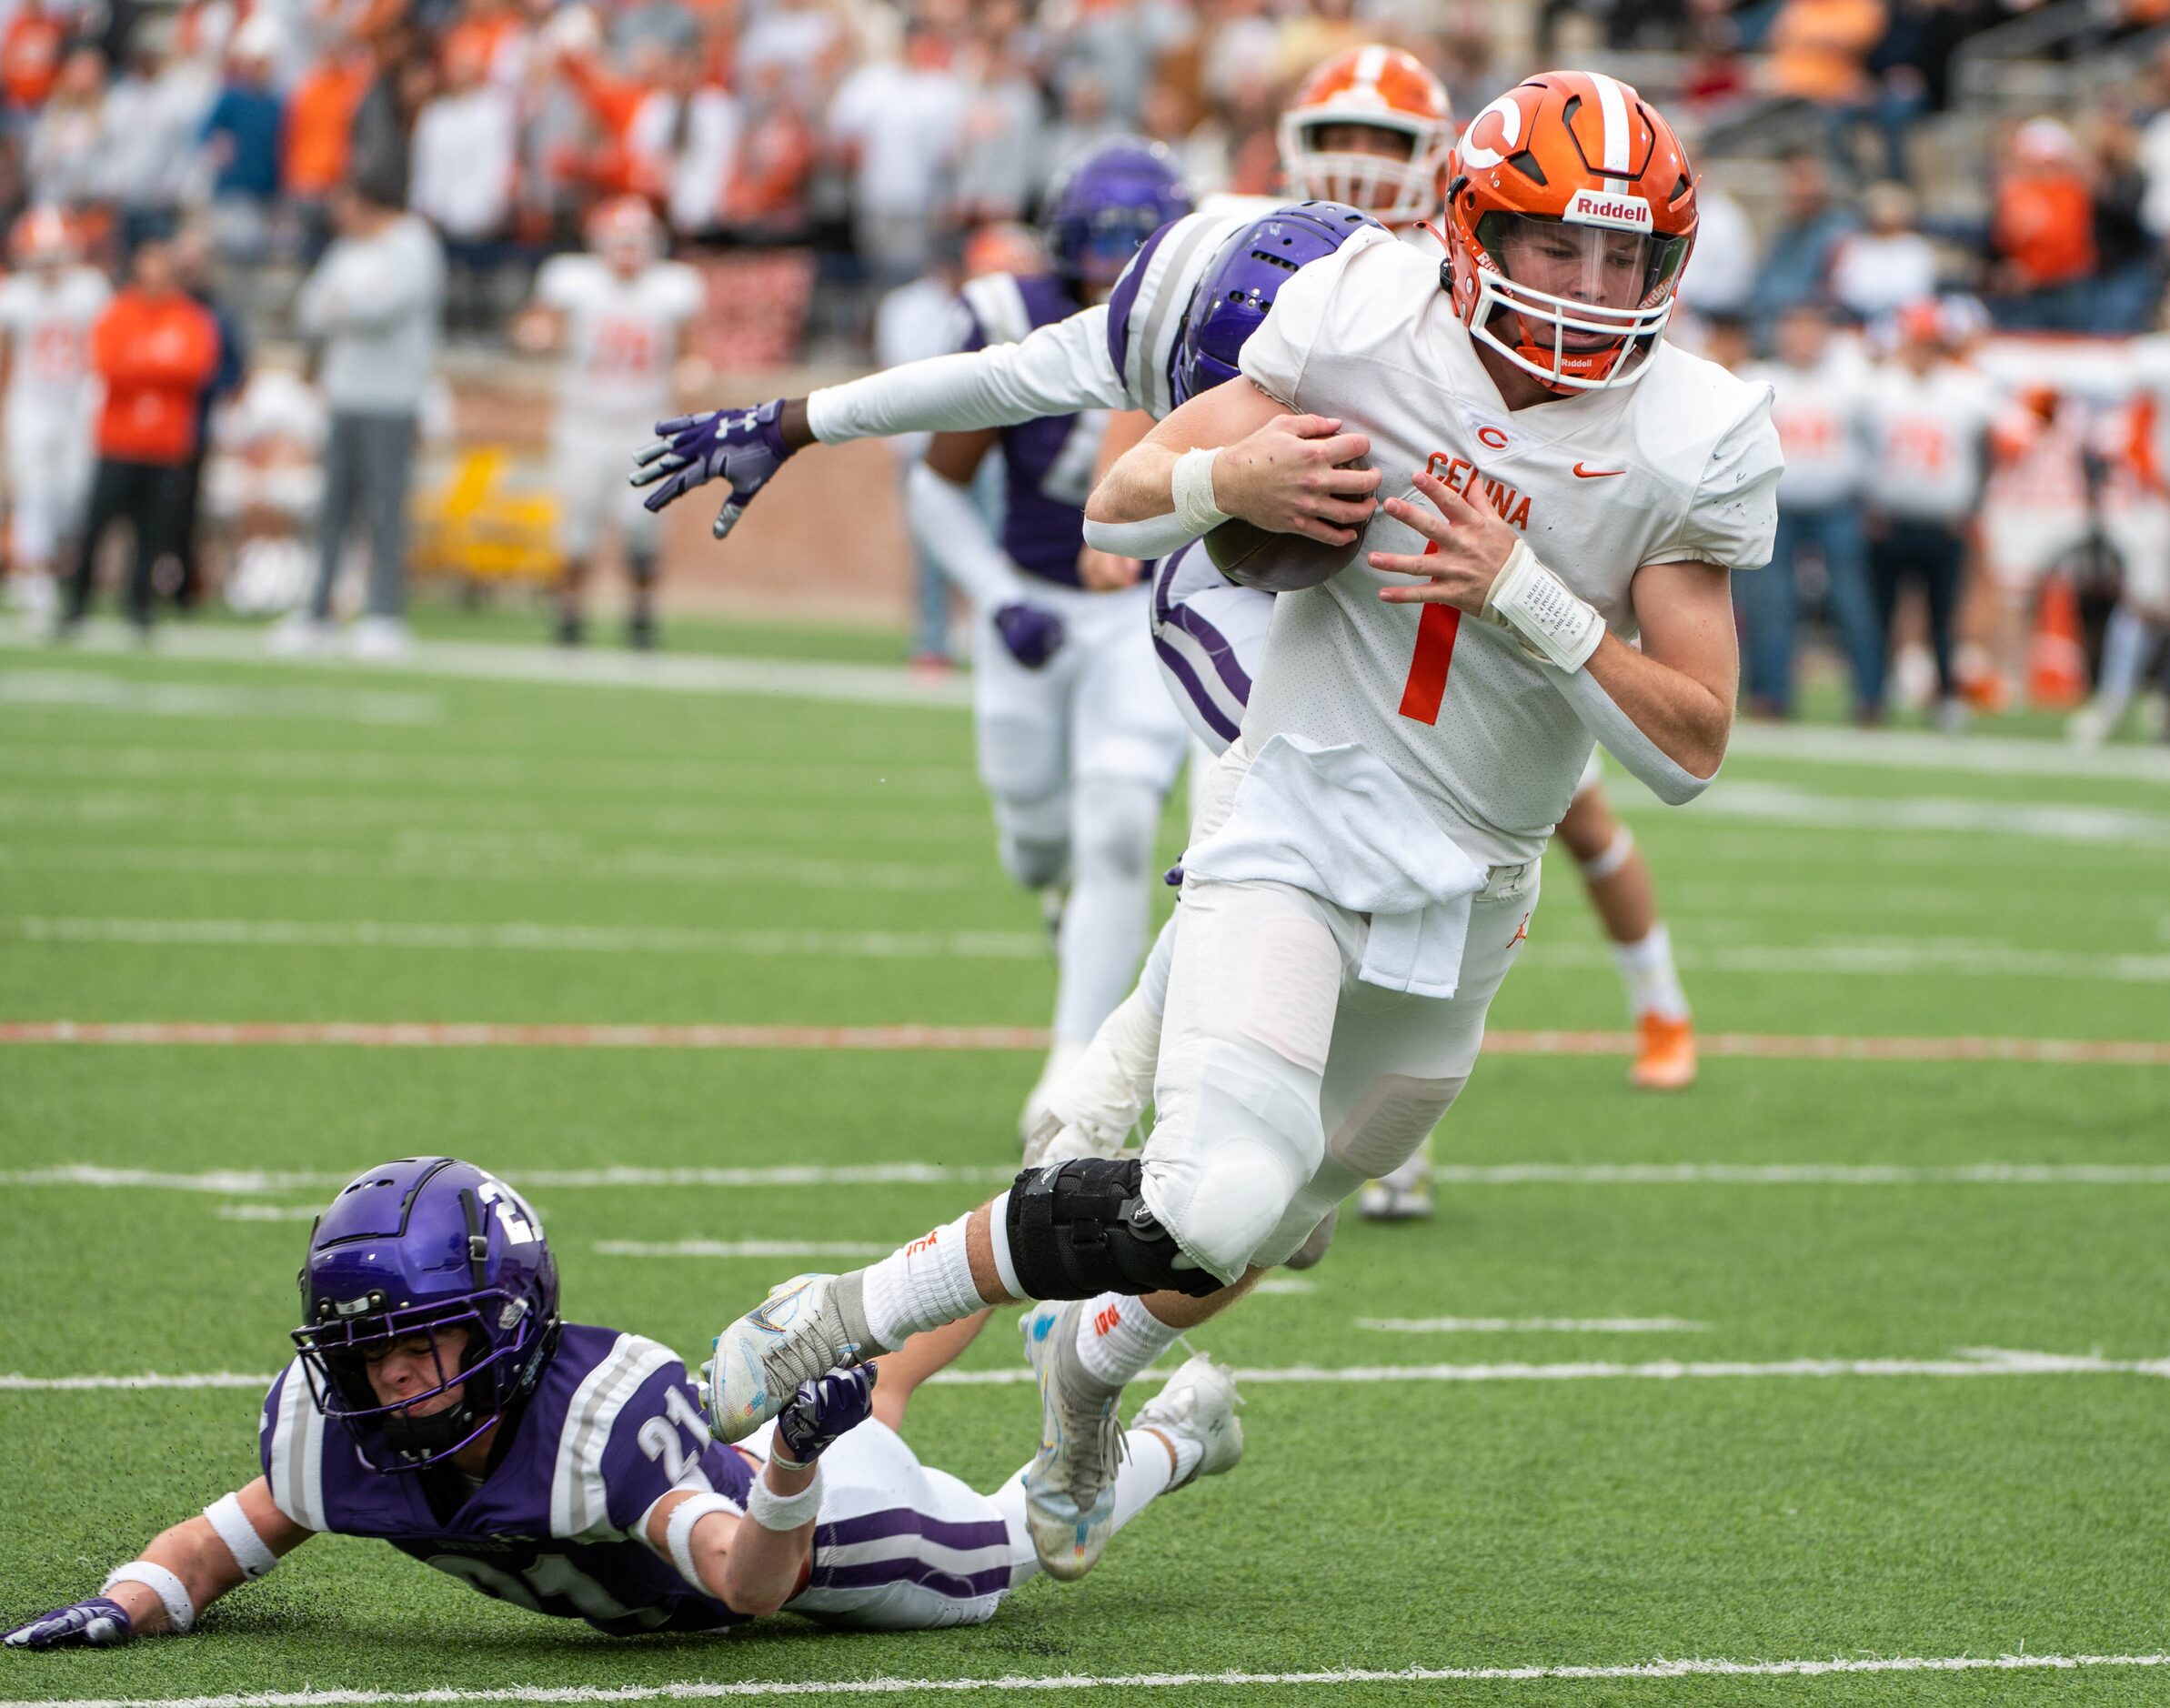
1928,440
1683,465
1818,412
621,334
48,325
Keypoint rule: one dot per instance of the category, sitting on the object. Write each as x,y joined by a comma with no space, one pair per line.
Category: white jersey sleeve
679,290
565,282
1059,369
1732,517
1275,356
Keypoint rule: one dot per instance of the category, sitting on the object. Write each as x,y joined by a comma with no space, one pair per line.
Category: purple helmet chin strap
1231,301
406,1252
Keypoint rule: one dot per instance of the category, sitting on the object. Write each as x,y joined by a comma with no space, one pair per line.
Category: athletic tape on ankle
1611,858
240,1537
772,1510
679,1533
1550,620
180,1611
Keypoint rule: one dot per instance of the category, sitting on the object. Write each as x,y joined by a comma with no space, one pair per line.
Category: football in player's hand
1250,557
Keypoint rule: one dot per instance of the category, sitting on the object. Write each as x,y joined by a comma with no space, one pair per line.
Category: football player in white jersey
621,314
47,308
1367,851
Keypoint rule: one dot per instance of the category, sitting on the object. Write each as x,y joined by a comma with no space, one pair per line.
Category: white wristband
772,1510
679,1533
180,1611
240,1537
1551,622
1192,486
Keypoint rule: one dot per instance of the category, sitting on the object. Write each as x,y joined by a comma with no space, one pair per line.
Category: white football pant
587,480
48,480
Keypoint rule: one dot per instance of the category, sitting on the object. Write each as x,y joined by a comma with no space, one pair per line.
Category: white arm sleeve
947,527
1061,369
1623,738
1156,536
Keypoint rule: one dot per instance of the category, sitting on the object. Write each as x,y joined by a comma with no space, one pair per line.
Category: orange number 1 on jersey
1436,625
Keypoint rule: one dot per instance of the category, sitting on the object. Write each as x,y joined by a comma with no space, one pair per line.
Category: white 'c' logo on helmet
1479,155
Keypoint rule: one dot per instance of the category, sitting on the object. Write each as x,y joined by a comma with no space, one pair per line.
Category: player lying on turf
439,1404
1365,863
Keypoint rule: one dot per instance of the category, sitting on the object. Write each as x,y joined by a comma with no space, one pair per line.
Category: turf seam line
710,1690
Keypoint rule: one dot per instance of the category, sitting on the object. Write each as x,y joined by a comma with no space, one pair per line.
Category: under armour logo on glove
824,1409
742,446
99,1622
1033,636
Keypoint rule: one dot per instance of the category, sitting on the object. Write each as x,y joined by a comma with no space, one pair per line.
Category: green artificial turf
610,856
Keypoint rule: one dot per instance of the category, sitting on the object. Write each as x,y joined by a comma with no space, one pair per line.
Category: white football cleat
1402,1195
810,1325
1199,1403
1069,1486
381,640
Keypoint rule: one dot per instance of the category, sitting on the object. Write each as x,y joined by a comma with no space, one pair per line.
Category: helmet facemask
1396,189
1577,307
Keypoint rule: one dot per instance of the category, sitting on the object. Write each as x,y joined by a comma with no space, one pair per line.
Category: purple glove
1032,635
98,1622
743,447
823,1409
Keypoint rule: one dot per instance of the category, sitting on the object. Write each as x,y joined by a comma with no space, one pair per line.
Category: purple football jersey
1047,464
612,1427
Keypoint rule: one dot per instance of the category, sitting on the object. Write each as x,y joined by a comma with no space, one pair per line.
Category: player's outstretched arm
755,1564
1057,370
182,1571
1233,451
1665,712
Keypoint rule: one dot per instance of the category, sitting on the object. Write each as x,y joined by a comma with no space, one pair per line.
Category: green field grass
185,841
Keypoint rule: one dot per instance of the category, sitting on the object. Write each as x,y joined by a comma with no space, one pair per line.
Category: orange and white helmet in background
626,233
42,237
1569,214
1386,89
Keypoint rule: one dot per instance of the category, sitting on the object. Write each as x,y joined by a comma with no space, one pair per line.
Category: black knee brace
1080,1228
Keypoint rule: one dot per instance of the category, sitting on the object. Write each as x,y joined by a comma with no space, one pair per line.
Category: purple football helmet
406,1253
1230,301
1110,203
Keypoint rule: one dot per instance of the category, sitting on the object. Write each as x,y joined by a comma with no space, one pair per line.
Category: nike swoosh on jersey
1595,474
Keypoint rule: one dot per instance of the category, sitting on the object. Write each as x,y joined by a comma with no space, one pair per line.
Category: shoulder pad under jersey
1145,315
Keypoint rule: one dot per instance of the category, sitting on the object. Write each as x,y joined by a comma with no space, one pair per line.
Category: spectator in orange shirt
155,348
29,59
1819,50
320,135
2042,232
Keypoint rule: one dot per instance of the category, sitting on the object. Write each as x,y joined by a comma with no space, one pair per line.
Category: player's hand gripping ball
1253,557
1032,634
824,1409
98,1622
744,448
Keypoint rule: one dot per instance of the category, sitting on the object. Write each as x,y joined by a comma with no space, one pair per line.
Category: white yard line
2055,821
1888,958
1998,756
1531,1325
1966,1363
80,691
240,1181
713,1690
874,685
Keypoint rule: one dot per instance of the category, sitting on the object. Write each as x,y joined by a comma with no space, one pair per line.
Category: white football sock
1112,822
921,1286
1118,1337
1653,982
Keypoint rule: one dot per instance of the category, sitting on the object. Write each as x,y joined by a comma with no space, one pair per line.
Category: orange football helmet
1384,89
1569,214
624,230
42,237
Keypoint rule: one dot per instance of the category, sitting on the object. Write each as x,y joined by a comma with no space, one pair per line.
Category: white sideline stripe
1967,1362
707,1690
1284,1284
263,1181
1891,957
2056,821
269,1212
742,1247
1999,756
711,1689
528,935
236,1182
863,684
79,690
1531,1325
